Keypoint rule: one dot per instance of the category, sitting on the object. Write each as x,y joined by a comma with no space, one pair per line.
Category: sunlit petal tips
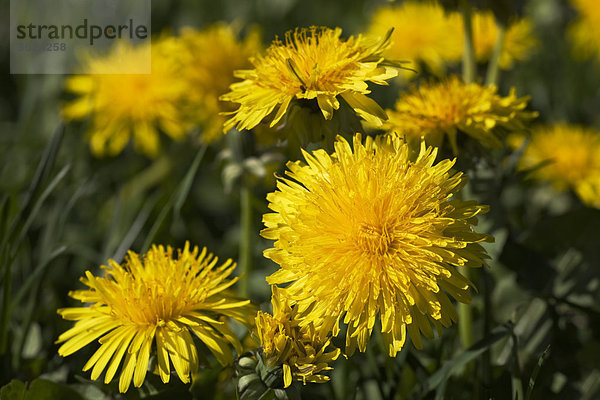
372,233
156,301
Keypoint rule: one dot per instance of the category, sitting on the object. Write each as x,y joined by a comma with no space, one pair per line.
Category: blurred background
64,210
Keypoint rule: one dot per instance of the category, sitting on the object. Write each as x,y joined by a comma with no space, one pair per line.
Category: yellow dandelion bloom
369,232
435,110
153,303
572,159
312,64
120,106
210,58
519,39
585,30
297,347
423,32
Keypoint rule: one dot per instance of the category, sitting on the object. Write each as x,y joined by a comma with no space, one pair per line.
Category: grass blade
41,174
176,200
536,371
37,274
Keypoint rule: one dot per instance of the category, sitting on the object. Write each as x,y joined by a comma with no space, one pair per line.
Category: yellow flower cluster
425,33
188,74
294,344
433,111
568,156
155,301
371,233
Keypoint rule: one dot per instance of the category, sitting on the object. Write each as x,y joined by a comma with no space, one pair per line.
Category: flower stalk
493,70
246,229
468,62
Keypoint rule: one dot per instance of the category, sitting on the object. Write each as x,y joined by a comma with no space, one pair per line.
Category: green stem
245,256
465,317
494,64
487,326
5,316
468,65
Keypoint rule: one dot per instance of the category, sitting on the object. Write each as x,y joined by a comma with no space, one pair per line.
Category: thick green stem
468,65
494,64
245,256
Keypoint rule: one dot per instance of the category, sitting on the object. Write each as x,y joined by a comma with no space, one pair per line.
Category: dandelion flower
585,30
121,106
312,64
572,159
443,109
518,39
210,58
298,348
368,232
154,302
423,32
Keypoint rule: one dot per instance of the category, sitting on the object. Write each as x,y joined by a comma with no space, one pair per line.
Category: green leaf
41,174
536,371
38,205
45,165
186,184
176,200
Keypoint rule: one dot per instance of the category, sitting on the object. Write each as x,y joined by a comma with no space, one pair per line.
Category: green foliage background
62,211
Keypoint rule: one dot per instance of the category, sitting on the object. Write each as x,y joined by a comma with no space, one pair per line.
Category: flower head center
375,239
152,302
